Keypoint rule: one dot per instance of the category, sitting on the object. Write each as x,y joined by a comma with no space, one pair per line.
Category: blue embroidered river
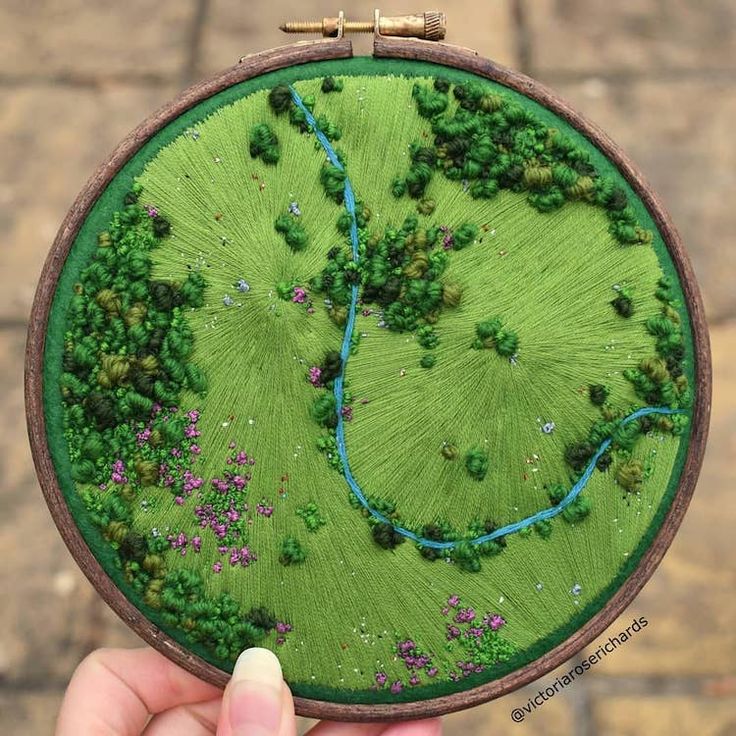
339,381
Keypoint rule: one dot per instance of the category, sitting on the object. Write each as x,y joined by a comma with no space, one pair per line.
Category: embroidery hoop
335,49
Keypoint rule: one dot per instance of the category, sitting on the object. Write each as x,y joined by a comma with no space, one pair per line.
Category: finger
198,719
113,692
427,727
338,728
253,704
288,718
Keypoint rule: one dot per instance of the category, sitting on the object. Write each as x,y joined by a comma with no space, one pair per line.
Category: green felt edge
86,241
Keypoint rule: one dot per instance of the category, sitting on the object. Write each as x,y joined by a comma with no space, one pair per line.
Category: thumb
254,700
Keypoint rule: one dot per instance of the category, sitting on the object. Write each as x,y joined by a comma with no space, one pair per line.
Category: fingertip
255,694
258,663
288,715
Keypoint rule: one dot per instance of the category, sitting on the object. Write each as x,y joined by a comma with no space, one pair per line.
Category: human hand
138,692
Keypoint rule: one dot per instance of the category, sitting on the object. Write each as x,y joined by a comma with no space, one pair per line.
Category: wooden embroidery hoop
341,48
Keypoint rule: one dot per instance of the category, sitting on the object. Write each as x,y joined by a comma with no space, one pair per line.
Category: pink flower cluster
181,542
448,240
315,376
264,509
191,482
243,556
468,668
222,509
282,629
218,521
491,621
240,458
465,627
118,472
407,651
143,436
415,662
465,616
172,475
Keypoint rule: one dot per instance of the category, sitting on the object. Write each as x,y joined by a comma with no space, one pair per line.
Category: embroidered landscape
384,372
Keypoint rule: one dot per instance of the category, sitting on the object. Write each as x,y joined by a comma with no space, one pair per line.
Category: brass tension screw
429,25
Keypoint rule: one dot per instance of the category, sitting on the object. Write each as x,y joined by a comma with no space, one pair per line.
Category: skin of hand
138,692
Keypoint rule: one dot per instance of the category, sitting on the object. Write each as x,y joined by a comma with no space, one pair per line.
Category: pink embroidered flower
242,459
452,632
494,622
465,616
118,472
244,556
264,509
448,240
315,375
179,542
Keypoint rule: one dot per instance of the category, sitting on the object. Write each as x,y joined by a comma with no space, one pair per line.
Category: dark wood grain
248,68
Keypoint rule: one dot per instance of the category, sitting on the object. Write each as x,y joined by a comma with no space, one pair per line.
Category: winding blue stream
339,381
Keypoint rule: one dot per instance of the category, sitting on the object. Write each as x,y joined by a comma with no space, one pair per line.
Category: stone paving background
658,75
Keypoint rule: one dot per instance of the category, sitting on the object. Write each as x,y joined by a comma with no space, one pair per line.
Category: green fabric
85,244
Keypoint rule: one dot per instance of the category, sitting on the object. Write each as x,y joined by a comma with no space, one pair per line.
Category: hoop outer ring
320,50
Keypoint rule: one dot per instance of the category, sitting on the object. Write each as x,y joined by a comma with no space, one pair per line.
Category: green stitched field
364,610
